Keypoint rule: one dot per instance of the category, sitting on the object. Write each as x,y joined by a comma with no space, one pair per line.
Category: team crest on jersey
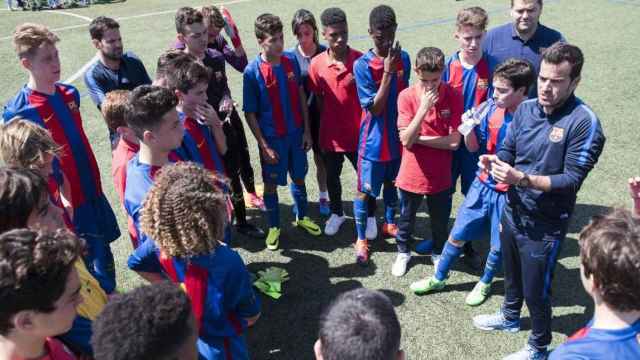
556,134
445,113
400,73
73,107
291,75
483,84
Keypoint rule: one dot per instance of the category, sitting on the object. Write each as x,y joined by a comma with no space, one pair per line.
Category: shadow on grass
288,326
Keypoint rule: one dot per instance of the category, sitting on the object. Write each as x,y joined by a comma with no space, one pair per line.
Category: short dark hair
147,105
539,2
430,59
382,17
560,52
360,325
267,25
519,73
304,17
332,16
186,74
100,25
21,191
213,15
186,16
150,322
34,267
167,59
609,252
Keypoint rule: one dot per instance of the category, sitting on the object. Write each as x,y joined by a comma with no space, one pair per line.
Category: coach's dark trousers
530,249
333,162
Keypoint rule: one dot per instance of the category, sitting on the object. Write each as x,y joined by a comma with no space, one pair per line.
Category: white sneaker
372,228
399,267
333,224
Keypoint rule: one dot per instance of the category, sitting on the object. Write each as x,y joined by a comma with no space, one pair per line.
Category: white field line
79,73
85,18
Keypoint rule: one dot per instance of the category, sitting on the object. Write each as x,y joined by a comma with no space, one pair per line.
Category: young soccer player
333,85
361,324
151,114
428,119
114,107
610,273
55,106
150,322
304,28
482,208
26,203
184,215
39,292
468,72
380,75
275,107
209,98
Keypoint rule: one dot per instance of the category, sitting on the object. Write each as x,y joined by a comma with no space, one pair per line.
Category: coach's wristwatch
524,181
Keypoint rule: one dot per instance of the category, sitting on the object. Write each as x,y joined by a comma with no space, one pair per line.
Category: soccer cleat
495,322
528,353
250,230
324,207
399,267
333,224
256,201
372,228
479,294
307,224
427,285
273,238
362,252
389,230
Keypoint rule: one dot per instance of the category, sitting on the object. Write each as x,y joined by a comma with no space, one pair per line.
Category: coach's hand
269,155
485,161
307,142
226,104
505,173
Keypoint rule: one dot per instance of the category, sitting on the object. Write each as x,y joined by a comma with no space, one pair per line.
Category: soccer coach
550,147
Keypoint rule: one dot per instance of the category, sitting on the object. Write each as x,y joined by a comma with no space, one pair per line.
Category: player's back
600,344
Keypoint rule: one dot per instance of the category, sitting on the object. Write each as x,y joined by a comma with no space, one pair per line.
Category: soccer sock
360,216
273,212
390,196
450,254
494,259
323,195
299,193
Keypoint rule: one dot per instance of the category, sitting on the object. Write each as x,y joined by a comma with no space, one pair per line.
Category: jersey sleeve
95,87
145,258
250,91
406,112
406,64
507,152
365,85
238,62
240,290
583,150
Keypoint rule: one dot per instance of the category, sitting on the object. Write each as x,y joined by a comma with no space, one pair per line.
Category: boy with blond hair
55,106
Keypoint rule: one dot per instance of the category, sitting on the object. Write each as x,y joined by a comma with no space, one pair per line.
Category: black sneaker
471,258
250,231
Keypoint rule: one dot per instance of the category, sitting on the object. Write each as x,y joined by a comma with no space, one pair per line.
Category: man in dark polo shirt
114,69
525,38
551,146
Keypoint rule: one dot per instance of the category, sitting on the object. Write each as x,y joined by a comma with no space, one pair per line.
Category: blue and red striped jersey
472,83
378,138
599,344
490,134
199,145
272,93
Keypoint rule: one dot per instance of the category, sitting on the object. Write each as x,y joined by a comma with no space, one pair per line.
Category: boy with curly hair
56,107
150,322
610,273
39,292
184,217
275,107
